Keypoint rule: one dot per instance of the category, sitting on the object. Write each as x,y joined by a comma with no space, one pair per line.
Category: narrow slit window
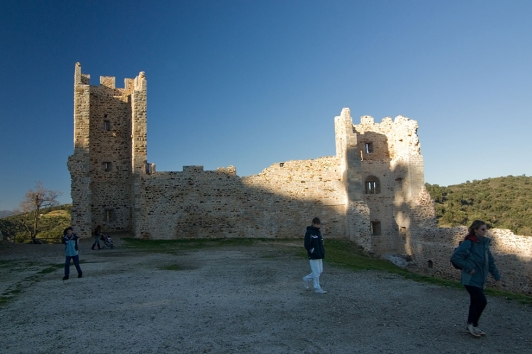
107,166
106,125
375,228
369,148
109,215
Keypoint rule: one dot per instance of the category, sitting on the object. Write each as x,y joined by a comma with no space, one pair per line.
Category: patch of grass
166,246
51,268
171,267
26,282
10,294
348,255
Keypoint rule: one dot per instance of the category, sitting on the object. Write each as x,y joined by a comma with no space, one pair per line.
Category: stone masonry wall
279,202
513,255
110,158
391,162
103,163
78,163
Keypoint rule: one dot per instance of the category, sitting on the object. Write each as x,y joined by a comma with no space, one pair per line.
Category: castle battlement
138,83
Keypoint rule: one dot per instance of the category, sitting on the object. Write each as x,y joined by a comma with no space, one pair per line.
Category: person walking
316,253
71,242
97,235
473,255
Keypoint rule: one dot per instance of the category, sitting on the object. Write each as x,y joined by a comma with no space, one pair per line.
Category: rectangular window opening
369,148
375,228
107,166
109,215
106,125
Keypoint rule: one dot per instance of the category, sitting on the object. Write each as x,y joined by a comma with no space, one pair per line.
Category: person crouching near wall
71,242
475,258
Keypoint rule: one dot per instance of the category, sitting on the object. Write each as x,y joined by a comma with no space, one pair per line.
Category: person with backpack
474,258
71,242
316,253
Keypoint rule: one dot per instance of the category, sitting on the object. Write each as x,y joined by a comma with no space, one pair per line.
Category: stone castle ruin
372,191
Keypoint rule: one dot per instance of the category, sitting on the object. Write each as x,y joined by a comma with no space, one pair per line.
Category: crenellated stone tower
383,176
110,150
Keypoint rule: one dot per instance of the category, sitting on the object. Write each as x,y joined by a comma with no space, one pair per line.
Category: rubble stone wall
279,202
512,253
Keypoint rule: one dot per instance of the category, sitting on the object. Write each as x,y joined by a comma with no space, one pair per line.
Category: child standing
316,253
71,252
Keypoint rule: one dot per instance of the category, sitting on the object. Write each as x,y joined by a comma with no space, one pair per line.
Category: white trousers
316,266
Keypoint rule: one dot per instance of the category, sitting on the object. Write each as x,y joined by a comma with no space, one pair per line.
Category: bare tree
31,206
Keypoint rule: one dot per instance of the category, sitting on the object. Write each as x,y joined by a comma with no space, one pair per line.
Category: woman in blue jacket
475,258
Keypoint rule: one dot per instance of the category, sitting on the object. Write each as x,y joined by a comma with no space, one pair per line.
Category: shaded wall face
110,158
433,248
78,163
381,203
279,202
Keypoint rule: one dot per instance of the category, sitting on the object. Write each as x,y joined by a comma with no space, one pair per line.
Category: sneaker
306,283
80,275
320,291
471,329
479,331
65,277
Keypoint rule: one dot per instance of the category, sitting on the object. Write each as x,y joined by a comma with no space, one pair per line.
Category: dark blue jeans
477,305
67,264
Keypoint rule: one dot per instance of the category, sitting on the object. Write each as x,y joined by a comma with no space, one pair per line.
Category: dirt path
235,300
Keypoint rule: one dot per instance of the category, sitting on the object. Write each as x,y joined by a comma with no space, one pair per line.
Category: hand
312,250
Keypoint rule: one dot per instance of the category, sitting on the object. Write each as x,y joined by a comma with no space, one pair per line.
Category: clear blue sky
251,83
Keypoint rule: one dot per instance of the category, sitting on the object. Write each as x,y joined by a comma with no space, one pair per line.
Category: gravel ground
234,300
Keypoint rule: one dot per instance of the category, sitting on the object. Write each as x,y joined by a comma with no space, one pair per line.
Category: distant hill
5,213
51,225
502,202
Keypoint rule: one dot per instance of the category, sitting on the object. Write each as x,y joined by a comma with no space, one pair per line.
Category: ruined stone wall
512,253
279,202
392,176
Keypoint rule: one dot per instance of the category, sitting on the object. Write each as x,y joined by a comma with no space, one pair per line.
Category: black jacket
314,243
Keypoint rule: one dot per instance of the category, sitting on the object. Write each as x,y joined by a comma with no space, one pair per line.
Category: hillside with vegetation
52,222
502,202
